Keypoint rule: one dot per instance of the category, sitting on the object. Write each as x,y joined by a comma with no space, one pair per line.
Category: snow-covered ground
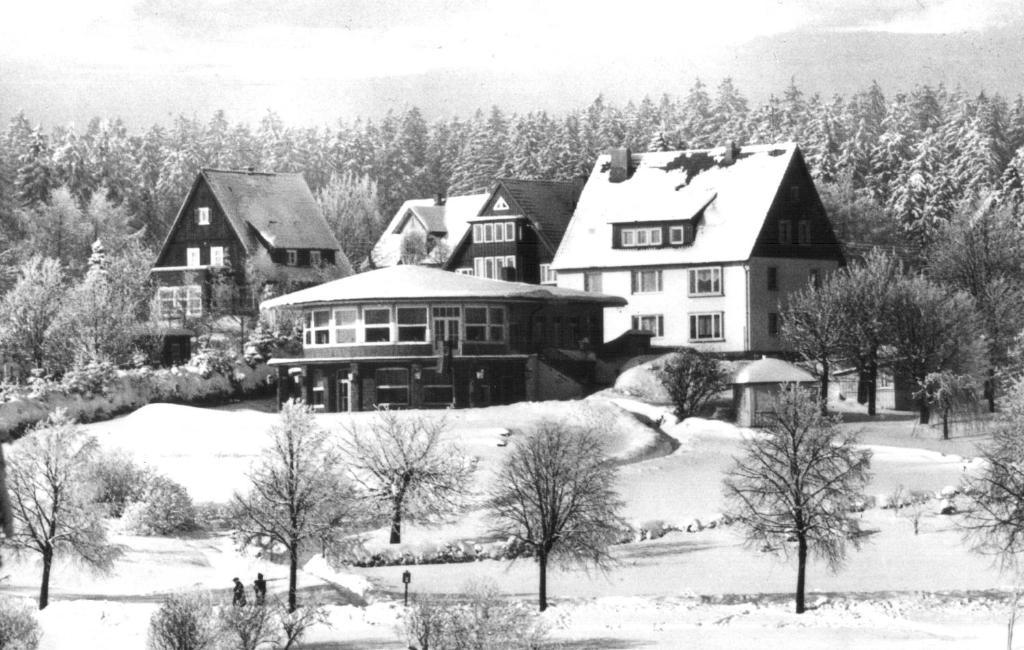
701,589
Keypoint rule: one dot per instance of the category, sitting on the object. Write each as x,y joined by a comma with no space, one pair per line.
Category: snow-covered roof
676,185
412,282
453,218
771,371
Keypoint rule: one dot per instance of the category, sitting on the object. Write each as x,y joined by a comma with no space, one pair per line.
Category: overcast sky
315,60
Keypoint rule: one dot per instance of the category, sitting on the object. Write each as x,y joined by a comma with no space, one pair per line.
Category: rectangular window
706,281
437,387
203,216
345,323
314,258
192,257
592,281
794,193
291,257
193,296
478,267
773,324
773,278
478,233
489,270
392,386
412,324
318,327
803,232
628,238
488,232
499,232
654,323
485,324
510,231
376,325
634,237
319,396
648,281
785,232
216,256
677,235
706,327
547,274
180,302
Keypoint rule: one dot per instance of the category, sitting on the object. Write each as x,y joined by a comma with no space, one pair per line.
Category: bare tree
799,481
408,469
299,497
554,494
28,310
692,379
54,514
812,326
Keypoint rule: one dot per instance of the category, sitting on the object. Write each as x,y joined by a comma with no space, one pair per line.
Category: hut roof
771,371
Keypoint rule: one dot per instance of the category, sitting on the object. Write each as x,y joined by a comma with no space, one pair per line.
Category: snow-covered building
756,387
515,234
435,224
706,245
413,336
233,222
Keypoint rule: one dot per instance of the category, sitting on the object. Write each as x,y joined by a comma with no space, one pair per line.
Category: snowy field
701,589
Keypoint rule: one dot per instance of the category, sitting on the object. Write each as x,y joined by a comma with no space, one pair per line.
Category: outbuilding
756,385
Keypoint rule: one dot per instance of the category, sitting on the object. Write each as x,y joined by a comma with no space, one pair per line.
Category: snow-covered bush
183,622
212,516
166,509
119,481
19,629
213,360
90,379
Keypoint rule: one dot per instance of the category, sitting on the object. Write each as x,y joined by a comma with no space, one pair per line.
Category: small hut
756,385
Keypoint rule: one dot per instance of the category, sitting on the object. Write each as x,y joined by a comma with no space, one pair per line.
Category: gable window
203,216
412,324
500,205
785,232
345,322
592,281
773,278
773,324
478,233
392,386
291,257
648,281
510,231
654,323
706,281
377,324
314,258
318,327
706,327
547,274
216,256
192,257
485,324
803,232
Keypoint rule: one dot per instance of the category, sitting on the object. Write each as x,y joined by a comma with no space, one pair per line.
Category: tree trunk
542,592
44,588
824,387
801,570
990,390
872,384
293,579
862,384
396,524
945,424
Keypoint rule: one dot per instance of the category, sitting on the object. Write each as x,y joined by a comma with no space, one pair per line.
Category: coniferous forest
891,166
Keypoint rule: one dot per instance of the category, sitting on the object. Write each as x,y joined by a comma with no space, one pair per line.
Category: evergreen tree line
891,169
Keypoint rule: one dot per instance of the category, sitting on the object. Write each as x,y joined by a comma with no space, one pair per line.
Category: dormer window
314,258
636,237
291,257
203,216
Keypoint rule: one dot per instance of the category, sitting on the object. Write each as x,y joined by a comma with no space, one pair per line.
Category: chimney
440,198
731,152
622,160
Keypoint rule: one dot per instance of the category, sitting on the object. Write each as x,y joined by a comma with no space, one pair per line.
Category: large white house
704,244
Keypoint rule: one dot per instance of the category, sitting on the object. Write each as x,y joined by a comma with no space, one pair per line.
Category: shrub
212,516
692,379
119,481
90,379
183,622
247,627
19,629
211,360
166,509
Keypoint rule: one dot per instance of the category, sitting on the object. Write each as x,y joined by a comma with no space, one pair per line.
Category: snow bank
319,568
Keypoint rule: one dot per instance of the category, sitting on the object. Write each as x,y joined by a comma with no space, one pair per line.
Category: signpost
406,579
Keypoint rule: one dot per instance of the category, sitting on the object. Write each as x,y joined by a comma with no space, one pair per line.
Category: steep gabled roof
278,207
451,218
411,282
734,198
548,204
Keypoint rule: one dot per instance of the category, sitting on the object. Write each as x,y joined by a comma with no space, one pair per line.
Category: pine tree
35,179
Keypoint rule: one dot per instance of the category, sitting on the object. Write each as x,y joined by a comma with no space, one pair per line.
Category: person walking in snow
239,593
260,588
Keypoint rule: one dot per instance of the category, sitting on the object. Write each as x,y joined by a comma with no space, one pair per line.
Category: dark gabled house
412,336
517,232
233,224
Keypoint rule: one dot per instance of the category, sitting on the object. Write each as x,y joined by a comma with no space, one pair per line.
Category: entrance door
447,324
344,396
